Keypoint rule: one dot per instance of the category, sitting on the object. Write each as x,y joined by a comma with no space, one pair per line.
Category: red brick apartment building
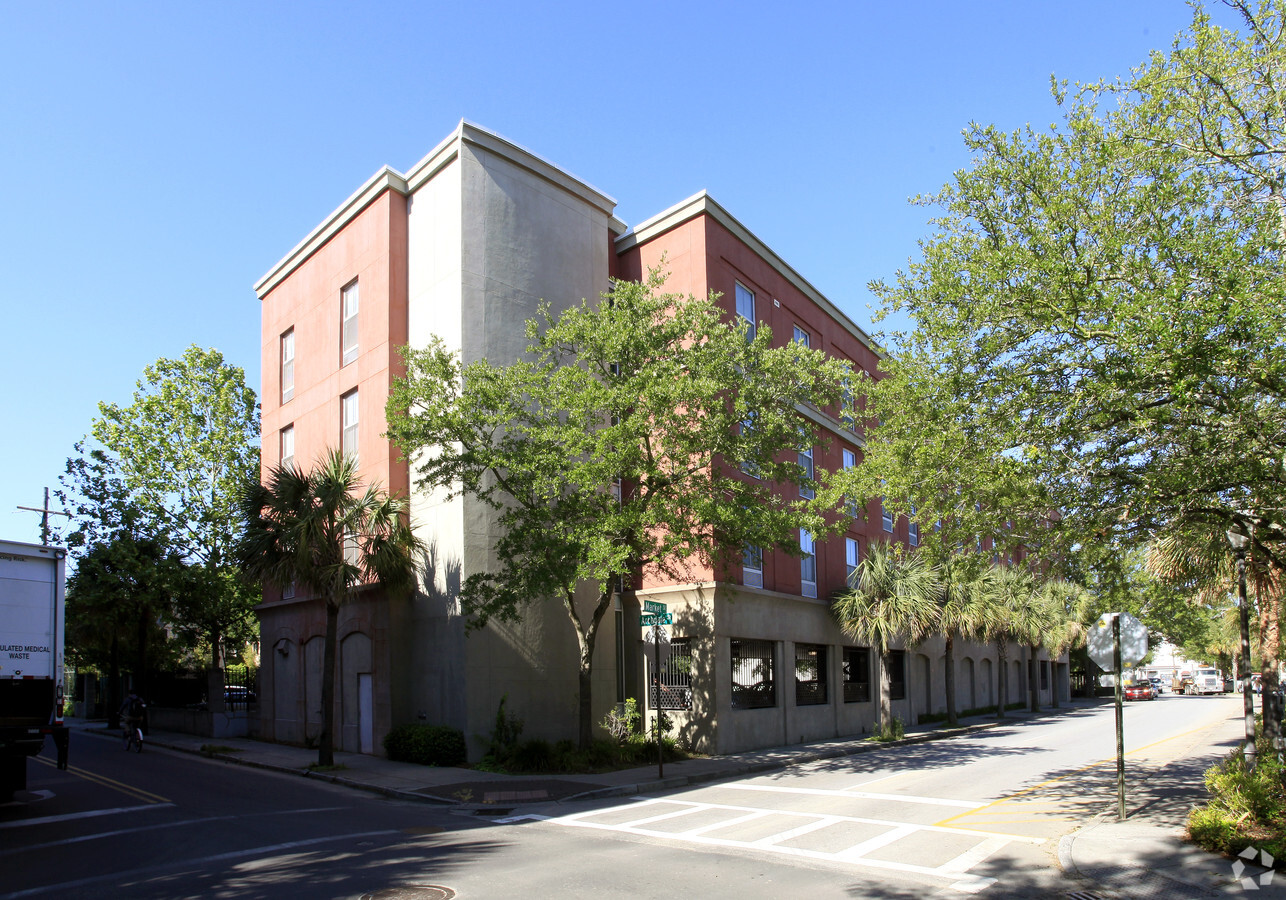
464,246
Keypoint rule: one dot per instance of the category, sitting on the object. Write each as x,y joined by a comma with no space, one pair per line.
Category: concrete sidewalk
1144,857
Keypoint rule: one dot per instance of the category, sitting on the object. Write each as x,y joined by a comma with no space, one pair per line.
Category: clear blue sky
158,158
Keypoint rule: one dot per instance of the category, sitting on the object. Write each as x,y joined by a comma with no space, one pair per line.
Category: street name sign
651,606
650,619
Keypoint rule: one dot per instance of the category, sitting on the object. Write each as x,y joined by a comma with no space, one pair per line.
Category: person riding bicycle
132,711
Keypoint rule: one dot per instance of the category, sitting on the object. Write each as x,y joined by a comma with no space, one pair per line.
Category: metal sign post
656,676
655,614
1120,721
1115,641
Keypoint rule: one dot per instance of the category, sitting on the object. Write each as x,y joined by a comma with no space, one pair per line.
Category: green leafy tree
117,599
176,456
1104,295
656,393
895,598
323,532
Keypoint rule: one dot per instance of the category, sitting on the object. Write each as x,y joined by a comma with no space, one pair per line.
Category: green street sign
652,606
656,619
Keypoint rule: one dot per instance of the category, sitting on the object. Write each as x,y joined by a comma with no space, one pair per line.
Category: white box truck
32,581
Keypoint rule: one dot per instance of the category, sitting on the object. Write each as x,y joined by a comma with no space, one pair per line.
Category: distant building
464,246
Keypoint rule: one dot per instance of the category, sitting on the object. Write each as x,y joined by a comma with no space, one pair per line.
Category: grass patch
890,731
1246,808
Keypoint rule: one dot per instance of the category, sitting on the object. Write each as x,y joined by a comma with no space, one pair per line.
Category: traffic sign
651,606
1134,641
656,619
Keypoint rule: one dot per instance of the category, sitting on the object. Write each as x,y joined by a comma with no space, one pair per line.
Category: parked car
1140,691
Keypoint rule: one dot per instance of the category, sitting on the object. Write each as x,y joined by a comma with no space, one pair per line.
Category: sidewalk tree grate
1085,895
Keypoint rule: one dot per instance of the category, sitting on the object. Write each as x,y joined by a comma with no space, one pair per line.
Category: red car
1142,691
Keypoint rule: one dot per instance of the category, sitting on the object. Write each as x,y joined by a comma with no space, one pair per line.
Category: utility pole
45,513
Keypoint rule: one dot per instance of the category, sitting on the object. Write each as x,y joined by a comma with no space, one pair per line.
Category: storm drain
412,892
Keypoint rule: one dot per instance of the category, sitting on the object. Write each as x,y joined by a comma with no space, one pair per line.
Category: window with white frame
801,336
806,487
288,365
749,467
348,424
746,309
752,566
887,516
850,460
913,529
852,556
807,564
288,446
348,330
848,407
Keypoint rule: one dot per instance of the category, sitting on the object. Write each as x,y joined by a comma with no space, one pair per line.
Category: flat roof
702,203
389,179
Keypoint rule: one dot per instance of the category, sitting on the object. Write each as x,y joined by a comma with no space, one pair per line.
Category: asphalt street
980,814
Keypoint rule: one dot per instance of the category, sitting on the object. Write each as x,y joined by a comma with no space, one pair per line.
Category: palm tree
964,611
1068,607
321,531
1006,592
894,597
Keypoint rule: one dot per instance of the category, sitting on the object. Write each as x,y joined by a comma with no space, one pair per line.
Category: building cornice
703,204
389,179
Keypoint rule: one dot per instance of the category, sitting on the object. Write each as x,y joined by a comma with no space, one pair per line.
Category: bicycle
134,736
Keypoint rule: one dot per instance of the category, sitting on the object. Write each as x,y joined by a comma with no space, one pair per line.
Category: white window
913,529
806,488
852,556
749,467
746,309
848,405
348,331
287,365
752,566
288,592
348,424
801,336
850,460
807,564
888,518
287,446
616,490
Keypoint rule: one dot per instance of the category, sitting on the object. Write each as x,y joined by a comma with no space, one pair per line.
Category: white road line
90,814
99,835
861,795
180,863
857,851
856,855
976,854
780,836
726,823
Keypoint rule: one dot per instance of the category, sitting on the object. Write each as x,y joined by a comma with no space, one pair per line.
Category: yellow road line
129,790
945,822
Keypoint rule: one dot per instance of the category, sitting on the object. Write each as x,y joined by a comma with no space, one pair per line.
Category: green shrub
890,731
623,720
428,745
1246,808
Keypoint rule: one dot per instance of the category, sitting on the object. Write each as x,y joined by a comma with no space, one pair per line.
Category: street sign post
1118,640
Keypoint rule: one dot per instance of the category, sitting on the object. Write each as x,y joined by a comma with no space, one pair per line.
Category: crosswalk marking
859,795
652,811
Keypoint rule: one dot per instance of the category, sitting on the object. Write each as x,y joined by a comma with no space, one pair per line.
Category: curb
339,780
856,749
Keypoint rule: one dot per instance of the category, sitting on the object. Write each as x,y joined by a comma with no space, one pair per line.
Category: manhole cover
412,892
